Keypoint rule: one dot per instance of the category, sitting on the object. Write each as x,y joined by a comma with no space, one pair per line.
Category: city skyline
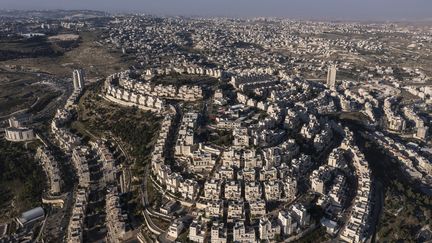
369,10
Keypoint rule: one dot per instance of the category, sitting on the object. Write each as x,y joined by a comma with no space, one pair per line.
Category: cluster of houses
263,164
71,144
419,123
190,69
185,138
287,223
423,92
362,100
75,228
245,82
116,219
330,184
110,171
246,180
129,97
414,162
184,92
255,178
50,165
269,98
281,96
395,121
241,47
81,155
65,139
84,158
367,100
200,158
121,88
358,227
398,123
172,181
203,159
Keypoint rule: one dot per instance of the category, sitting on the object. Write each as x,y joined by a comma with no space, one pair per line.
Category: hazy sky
310,9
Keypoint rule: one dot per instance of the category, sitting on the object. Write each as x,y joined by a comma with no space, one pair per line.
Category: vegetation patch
134,128
20,47
405,208
22,180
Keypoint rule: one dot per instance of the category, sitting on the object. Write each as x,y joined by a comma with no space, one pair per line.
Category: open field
90,55
24,92
18,90
64,37
16,48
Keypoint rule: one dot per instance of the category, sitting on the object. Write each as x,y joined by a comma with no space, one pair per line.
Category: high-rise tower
78,79
331,77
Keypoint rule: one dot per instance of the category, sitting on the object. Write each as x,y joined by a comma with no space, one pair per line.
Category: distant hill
53,14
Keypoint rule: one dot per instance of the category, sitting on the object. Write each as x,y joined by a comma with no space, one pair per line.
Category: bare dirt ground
95,58
17,76
64,37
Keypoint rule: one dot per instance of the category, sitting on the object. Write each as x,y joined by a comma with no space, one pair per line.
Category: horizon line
323,19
